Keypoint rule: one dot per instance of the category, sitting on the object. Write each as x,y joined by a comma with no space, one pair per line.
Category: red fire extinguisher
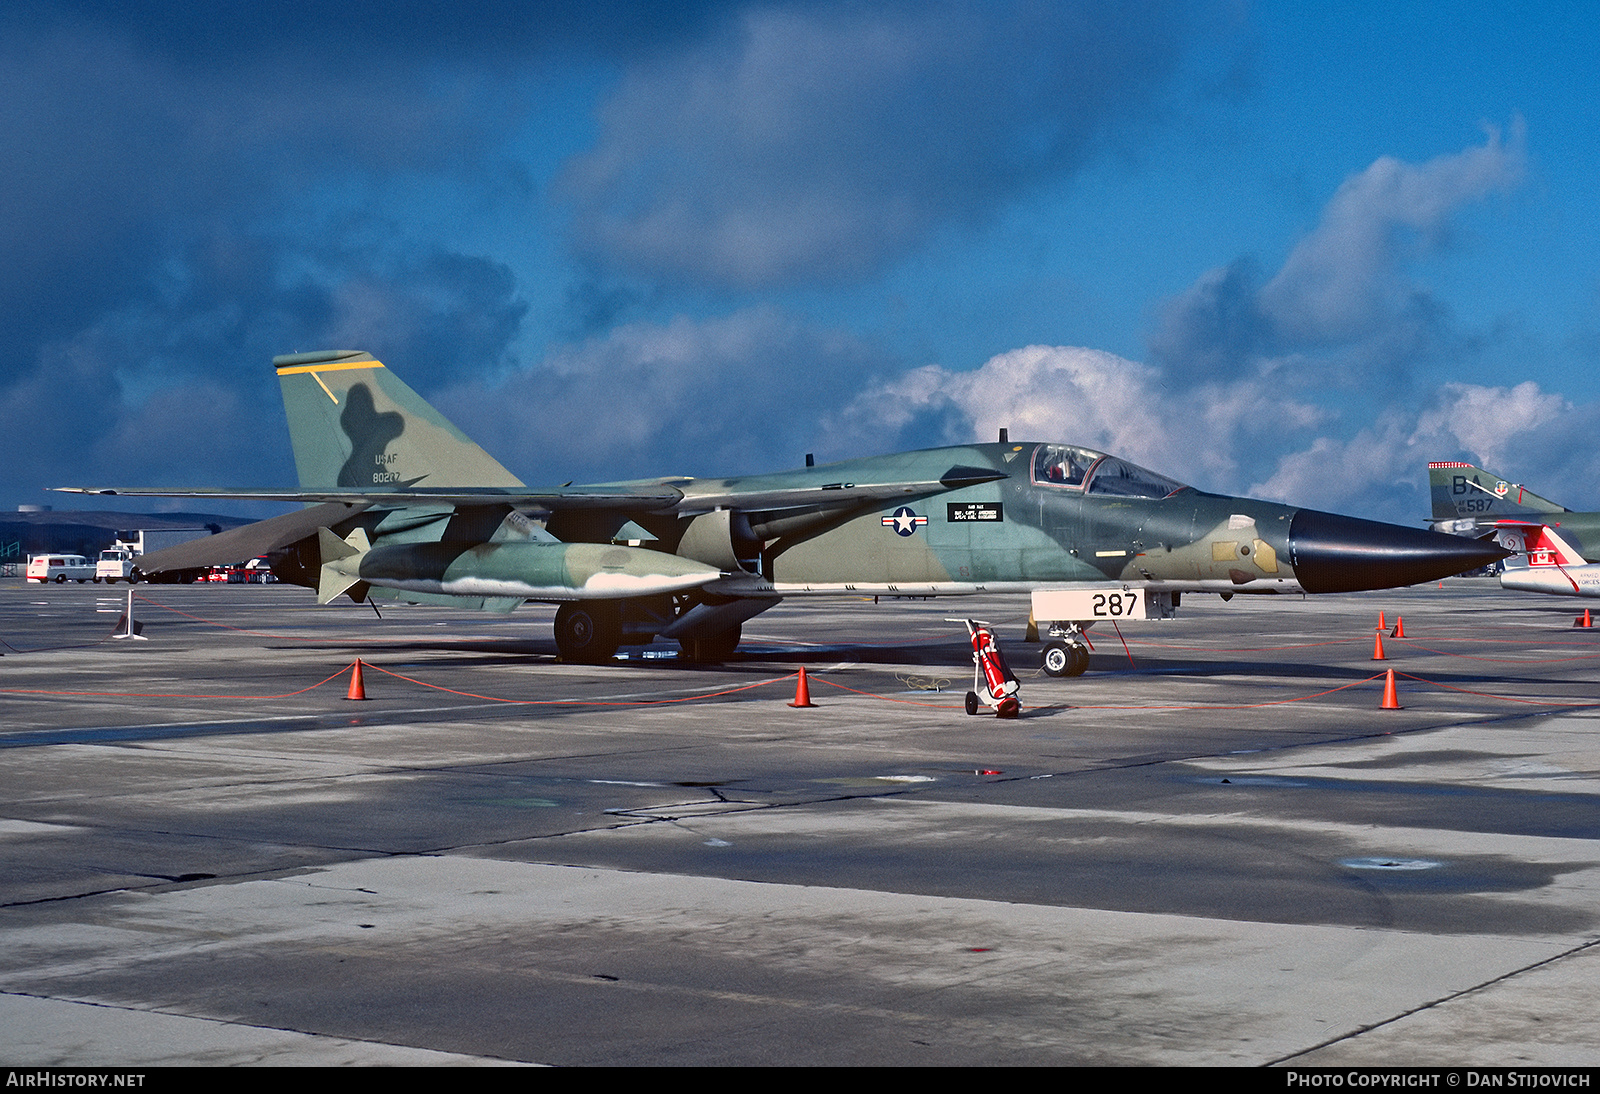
993,683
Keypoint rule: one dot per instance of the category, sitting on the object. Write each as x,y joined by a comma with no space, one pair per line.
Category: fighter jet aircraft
400,505
1554,549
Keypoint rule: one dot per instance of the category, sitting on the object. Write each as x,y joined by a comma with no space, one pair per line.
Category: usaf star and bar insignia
904,521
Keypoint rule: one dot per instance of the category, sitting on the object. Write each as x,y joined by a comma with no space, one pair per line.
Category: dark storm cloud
169,227
191,188
352,32
176,389
114,160
445,315
738,394
1217,325
1342,307
814,143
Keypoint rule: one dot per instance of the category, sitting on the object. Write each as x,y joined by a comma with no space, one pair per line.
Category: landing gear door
1109,604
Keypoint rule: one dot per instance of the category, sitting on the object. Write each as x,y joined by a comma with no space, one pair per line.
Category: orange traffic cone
1382,626
358,690
1583,620
1391,701
1377,647
802,691
1399,628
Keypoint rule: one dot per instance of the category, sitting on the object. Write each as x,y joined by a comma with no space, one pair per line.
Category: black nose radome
1334,554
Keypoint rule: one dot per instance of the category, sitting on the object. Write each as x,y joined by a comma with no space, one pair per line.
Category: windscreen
1069,465
1120,478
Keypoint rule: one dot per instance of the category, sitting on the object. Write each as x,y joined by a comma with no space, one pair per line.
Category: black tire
1080,660
1064,659
710,651
133,577
1056,659
61,579
588,632
972,702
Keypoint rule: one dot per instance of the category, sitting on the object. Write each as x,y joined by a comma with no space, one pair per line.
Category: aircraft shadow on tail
399,504
1555,550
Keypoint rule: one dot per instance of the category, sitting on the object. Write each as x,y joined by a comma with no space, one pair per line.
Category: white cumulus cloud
1088,397
1509,430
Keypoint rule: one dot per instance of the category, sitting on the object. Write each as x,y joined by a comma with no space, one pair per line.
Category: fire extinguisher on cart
993,683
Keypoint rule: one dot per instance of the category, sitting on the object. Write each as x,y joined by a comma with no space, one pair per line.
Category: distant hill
87,532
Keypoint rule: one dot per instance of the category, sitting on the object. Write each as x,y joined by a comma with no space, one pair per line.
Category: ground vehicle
117,563
255,572
60,568
120,561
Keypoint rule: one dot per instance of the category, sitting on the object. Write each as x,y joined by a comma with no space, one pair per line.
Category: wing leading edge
666,499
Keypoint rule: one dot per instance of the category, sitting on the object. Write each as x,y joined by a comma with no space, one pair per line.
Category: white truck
116,563
120,561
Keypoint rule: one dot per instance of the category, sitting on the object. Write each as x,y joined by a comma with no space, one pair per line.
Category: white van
60,568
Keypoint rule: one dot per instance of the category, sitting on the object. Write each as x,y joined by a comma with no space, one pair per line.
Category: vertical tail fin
355,424
1460,490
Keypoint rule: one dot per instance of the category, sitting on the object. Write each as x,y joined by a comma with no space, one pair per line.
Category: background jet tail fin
356,425
1461,490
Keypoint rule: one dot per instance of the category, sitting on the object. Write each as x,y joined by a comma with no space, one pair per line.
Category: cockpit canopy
1097,473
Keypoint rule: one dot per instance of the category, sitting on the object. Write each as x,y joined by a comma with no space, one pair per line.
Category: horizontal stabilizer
249,541
333,578
1545,548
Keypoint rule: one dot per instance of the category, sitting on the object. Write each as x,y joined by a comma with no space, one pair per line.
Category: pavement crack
1432,1003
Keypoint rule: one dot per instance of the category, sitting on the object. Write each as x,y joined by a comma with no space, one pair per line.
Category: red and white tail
1547,563
1544,548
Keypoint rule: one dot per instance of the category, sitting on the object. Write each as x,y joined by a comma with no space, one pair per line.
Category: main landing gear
589,632
718,647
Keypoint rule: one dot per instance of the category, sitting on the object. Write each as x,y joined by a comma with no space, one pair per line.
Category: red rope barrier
169,695
1412,644
582,702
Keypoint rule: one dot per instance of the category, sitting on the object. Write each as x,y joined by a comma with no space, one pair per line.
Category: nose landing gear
1065,658
1066,650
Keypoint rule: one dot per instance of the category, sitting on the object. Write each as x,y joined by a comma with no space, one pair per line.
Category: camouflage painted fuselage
1014,532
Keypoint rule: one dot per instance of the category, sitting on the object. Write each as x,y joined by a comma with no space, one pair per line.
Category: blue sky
1288,250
